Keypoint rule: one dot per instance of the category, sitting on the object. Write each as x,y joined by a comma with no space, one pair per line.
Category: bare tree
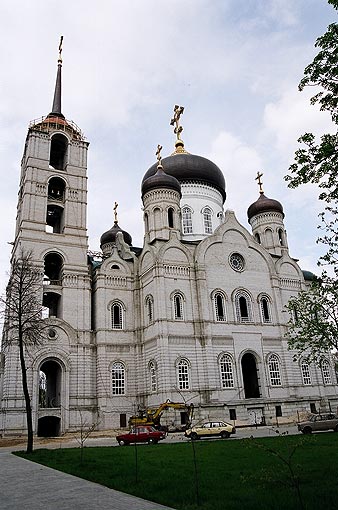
86,429
23,323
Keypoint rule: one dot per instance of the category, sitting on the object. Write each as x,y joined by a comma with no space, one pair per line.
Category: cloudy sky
234,65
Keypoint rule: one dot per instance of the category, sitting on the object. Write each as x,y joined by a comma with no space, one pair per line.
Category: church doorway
49,426
250,376
50,384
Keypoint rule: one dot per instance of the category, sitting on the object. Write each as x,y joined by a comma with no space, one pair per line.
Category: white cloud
293,115
240,164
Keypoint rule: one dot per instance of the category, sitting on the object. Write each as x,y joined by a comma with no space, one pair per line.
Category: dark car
317,422
141,434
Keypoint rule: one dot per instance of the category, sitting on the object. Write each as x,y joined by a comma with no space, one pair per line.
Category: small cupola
266,217
109,238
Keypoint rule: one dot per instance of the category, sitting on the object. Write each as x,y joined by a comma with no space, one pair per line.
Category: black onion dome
160,180
309,276
191,167
110,235
264,204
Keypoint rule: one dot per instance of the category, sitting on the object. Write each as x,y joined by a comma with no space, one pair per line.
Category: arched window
171,217
281,237
226,370
150,309
153,376
258,238
116,316
274,370
187,220
53,265
219,306
118,379
265,309
326,372
178,306
207,220
58,152
183,375
243,307
306,376
269,237
146,222
294,314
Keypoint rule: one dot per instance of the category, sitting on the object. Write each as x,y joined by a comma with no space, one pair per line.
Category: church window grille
183,375
219,304
226,369
118,379
171,217
243,307
236,262
265,309
207,220
326,373
178,307
153,376
117,316
274,370
150,309
187,220
306,376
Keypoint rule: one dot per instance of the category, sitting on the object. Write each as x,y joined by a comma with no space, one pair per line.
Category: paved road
25,485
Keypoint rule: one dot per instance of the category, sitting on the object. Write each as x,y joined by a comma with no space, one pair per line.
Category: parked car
141,434
316,422
211,429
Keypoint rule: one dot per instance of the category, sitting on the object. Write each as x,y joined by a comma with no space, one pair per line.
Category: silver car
317,422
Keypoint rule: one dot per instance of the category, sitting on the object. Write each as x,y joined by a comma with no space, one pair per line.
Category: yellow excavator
152,415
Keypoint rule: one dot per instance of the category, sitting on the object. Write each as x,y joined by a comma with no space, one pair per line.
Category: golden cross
60,48
178,111
260,184
158,155
115,211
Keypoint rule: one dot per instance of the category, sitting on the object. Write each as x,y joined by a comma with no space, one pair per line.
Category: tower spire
56,108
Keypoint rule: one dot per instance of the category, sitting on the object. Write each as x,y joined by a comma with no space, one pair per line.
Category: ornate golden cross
115,211
260,184
158,155
178,111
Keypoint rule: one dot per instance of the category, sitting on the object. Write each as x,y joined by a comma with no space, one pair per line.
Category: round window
52,334
236,261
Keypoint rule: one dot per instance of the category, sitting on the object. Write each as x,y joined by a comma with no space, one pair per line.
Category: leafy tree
23,323
317,163
313,331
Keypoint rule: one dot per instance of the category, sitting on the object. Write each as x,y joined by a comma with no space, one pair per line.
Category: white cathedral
196,315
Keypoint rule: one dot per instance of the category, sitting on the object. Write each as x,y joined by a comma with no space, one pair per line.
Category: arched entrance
50,384
250,377
49,426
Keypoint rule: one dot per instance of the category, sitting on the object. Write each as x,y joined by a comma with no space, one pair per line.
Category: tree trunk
27,399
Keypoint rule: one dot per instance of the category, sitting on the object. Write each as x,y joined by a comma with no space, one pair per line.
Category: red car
141,434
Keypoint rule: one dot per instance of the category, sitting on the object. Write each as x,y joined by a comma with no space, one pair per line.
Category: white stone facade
196,317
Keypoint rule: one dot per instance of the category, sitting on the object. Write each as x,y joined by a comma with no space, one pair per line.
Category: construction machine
152,415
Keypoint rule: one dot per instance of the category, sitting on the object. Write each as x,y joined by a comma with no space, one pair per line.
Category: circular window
52,334
236,261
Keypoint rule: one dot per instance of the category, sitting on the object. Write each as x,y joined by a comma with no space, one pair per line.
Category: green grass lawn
231,474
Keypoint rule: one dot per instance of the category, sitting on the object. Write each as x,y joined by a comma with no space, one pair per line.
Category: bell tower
51,211
51,225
